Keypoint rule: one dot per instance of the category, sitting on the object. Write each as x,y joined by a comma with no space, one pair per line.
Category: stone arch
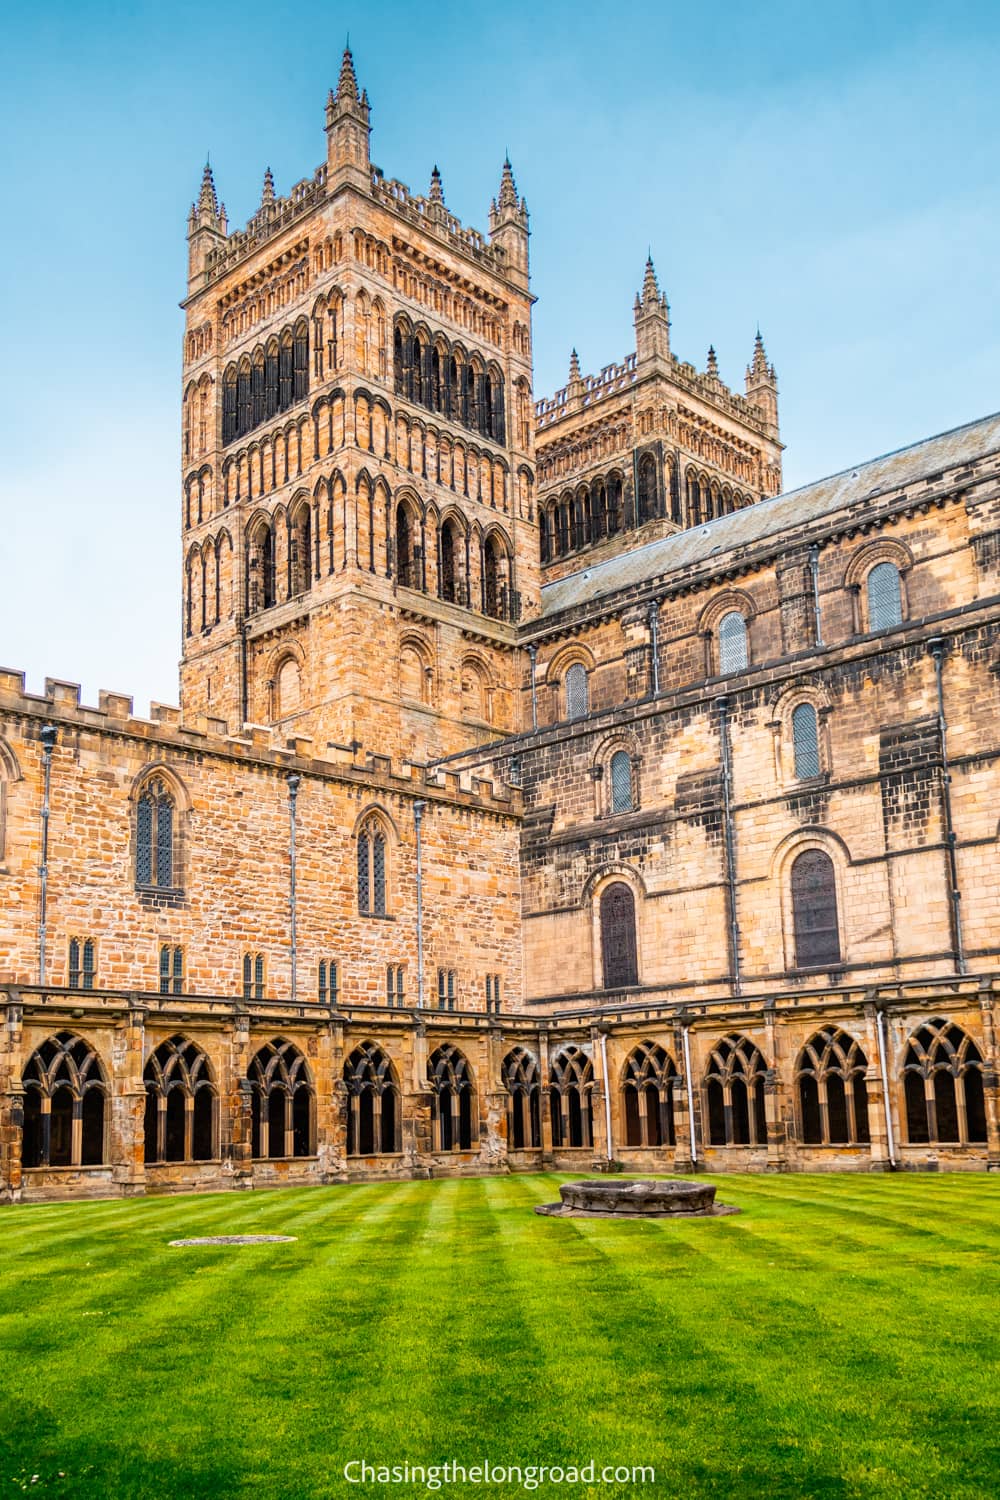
416,667
66,1104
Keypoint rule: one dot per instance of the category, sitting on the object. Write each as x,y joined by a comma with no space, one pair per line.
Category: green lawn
836,1338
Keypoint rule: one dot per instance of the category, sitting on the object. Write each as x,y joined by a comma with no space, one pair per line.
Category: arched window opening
271,380
281,1102
814,910
732,643
648,498
300,361
648,1097
571,1087
452,1105
261,570
285,368
805,741
230,424
451,574
372,870
943,1086
833,1098
622,799
82,963
734,1094
154,847
885,597
398,362
257,402
616,511
244,415
253,976
302,550
287,689
181,1104
407,550
576,691
618,946
495,578
65,1100
373,1115
522,1081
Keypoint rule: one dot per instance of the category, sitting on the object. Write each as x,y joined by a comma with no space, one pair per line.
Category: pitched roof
683,549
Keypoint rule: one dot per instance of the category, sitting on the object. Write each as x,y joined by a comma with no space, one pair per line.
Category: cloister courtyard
836,1338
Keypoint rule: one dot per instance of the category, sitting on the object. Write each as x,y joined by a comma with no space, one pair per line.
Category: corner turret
207,227
762,386
348,128
652,323
509,226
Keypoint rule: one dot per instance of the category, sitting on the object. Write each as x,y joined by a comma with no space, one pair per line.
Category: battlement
435,219
614,378
169,727
269,220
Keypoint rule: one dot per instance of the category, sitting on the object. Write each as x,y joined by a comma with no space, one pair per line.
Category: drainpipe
294,781
880,1035
690,1093
936,648
418,814
48,739
814,570
244,692
654,643
730,838
532,657
610,1150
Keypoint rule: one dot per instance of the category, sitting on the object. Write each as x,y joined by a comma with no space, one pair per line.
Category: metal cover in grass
239,1239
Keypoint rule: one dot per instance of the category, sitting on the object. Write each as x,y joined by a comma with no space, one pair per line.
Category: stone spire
208,203
762,384
267,196
207,227
509,225
436,194
652,320
348,127
574,367
712,367
347,83
574,386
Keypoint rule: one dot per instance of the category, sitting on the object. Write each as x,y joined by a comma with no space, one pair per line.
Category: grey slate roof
949,450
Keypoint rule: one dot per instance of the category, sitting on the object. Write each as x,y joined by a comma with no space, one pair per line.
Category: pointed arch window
732,643
943,1086
181,1104
155,862
833,1097
372,870
648,1097
805,741
734,1094
618,945
65,1102
814,910
300,361
282,1102
452,1099
571,1091
577,697
522,1081
373,1113
885,597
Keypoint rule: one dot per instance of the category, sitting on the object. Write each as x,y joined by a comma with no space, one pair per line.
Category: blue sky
829,172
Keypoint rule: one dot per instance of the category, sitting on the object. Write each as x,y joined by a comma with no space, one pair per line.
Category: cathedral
549,788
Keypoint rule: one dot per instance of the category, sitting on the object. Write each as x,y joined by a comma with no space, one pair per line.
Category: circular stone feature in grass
632,1198
239,1239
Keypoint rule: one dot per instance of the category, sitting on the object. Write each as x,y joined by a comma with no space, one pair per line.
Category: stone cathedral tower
360,535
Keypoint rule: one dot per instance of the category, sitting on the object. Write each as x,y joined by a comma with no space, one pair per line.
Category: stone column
493,1103
545,1106
418,1144
684,1125
602,1147
126,1138
238,1160
880,1160
11,1097
991,1082
326,1057
775,1102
